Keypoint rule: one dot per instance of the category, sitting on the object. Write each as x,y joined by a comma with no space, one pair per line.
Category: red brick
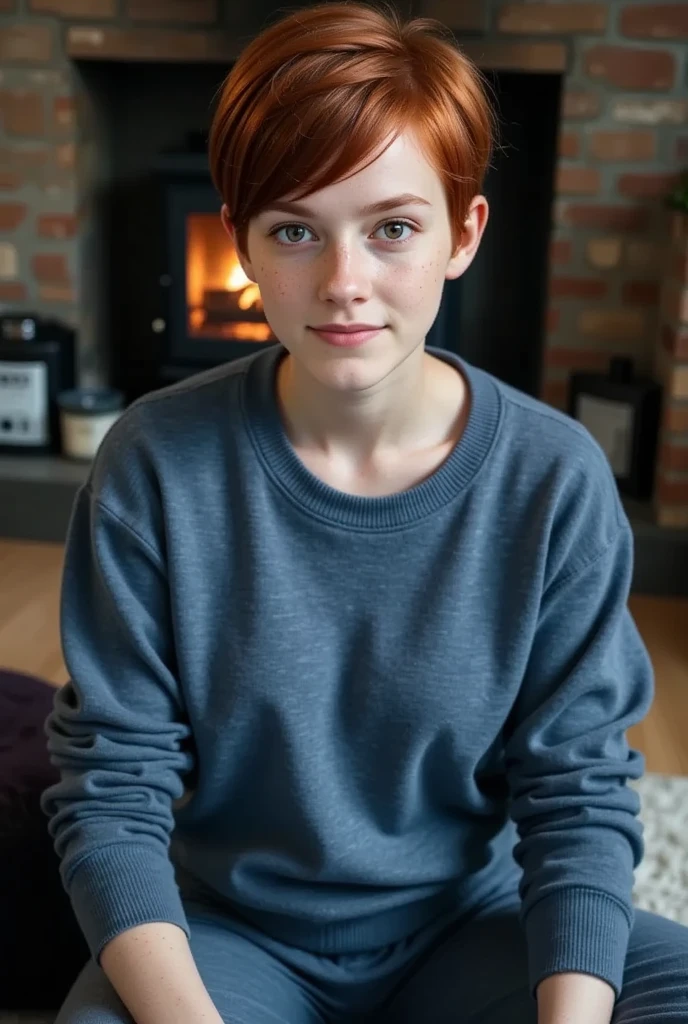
65,156
675,342
681,345
22,164
57,225
646,186
621,324
672,492
12,215
604,253
578,181
681,267
645,255
76,8
468,16
202,11
623,145
650,111
675,417
580,106
576,358
505,55
51,268
569,144
671,516
12,291
640,293
56,293
22,112
560,250
553,18
577,288
157,44
556,393
611,218
64,113
22,44
678,385
8,5
675,457
9,180
675,301
655,21
553,319
679,227
630,68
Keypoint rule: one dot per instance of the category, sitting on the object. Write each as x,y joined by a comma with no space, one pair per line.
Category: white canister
86,415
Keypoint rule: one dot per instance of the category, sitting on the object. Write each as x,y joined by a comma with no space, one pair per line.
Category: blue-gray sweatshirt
357,714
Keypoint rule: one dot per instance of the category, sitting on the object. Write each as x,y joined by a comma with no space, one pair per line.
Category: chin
348,372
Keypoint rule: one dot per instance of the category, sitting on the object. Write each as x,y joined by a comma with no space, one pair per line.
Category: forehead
400,168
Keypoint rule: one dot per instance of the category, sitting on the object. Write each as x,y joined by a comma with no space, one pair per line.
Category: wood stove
214,312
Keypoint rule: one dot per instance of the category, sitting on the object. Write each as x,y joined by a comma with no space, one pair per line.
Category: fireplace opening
221,301
172,297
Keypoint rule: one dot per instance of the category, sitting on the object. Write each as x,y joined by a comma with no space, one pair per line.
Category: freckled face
339,264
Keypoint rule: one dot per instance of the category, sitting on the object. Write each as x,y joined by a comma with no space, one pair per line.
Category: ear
229,228
474,225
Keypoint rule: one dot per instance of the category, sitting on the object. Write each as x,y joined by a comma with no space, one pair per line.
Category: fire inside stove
221,301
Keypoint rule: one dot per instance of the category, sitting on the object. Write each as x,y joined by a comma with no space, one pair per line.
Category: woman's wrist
574,998
153,972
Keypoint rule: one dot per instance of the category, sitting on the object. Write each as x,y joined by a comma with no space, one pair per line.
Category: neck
413,408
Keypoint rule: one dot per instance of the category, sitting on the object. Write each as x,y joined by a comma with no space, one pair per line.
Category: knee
93,1000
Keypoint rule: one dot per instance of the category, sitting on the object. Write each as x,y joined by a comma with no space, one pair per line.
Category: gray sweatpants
465,972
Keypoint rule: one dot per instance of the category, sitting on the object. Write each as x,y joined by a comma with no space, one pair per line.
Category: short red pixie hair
316,93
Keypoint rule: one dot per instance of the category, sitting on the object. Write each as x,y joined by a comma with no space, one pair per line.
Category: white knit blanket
661,880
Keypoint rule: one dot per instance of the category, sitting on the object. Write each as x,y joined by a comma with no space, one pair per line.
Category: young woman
351,662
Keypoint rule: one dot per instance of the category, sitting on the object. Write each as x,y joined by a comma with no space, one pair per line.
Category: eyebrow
405,199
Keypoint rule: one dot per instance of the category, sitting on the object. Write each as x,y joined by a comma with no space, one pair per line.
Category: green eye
291,241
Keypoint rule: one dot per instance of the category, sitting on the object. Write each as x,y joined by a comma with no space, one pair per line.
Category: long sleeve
568,761
117,731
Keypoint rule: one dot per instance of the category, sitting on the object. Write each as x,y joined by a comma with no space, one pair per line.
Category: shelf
45,468
36,496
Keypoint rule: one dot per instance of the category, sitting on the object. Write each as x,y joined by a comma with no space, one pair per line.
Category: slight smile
344,337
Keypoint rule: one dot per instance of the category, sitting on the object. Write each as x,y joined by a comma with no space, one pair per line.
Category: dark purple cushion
41,946
25,770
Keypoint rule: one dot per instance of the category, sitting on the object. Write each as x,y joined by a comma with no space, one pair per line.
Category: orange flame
237,281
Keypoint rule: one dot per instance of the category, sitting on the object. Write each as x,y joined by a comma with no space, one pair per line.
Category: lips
346,328
346,338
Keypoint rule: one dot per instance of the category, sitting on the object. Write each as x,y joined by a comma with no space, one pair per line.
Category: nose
344,277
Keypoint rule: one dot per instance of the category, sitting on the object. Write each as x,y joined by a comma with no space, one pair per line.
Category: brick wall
624,135
671,367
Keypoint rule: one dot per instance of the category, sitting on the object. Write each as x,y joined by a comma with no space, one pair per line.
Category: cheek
416,285
278,285
287,285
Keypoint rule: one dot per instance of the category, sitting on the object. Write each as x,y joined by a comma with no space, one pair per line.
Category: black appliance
37,361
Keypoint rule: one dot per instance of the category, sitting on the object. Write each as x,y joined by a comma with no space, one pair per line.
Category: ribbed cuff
577,930
120,887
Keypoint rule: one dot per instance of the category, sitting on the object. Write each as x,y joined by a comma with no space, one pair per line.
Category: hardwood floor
29,642
29,609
